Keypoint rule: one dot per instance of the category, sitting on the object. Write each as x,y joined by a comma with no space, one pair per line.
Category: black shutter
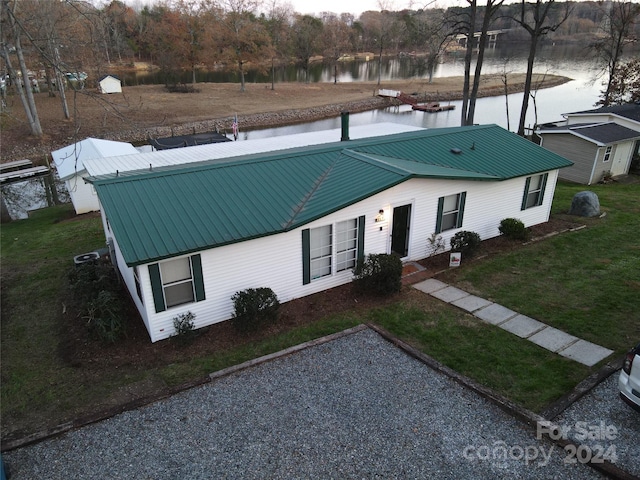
463,199
198,280
526,193
439,216
156,287
360,253
306,257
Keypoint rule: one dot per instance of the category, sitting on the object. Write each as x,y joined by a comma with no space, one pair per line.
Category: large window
534,191
332,248
346,244
450,212
321,251
176,282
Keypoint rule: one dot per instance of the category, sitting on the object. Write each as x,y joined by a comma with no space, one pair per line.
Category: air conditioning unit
86,258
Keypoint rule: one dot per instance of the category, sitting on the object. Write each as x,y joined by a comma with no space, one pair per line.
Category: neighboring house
601,142
110,84
187,238
69,162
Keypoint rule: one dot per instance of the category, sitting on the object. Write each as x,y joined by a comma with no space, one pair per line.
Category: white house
69,162
600,142
109,84
187,238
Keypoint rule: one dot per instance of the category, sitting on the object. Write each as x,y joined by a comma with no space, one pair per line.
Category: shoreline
157,114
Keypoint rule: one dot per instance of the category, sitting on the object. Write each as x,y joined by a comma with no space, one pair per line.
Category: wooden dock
432,107
20,170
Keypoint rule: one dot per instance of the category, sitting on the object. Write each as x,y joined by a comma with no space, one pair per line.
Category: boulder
585,204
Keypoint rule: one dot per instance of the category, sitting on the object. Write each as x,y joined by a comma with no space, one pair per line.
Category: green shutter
526,193
360,254
463,198
306,257
439,216
542,188
156,287
198,280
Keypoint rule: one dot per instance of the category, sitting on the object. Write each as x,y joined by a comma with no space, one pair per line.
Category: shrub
436,244
379,274
514,229
253,307
98,293
184,325
466,243
103,317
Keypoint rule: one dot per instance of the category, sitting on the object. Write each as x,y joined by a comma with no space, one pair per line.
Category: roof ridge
307,197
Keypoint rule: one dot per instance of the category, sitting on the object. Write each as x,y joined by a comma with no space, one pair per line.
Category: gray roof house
187,237
600,142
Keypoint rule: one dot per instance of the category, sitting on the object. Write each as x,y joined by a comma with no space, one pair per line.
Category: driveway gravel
354,407
600,424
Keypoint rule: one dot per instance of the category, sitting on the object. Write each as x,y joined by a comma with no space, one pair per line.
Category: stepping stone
586,353
553,339
523,326
471,303
449,294
430,285
495,314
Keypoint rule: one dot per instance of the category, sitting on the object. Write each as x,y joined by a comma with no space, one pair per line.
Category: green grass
585,282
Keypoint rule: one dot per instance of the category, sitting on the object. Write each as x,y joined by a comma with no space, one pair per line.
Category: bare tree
306,36
336,41
616,28
535,19
21,84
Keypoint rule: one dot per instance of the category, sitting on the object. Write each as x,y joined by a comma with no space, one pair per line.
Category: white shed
110,84
69,162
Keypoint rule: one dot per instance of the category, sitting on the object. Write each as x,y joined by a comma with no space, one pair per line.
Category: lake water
579,94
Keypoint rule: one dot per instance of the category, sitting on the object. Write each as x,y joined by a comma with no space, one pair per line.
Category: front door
400,230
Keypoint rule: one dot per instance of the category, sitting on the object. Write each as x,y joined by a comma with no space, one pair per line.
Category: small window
320,251
177,282
534,191
450,212
346,244
136,277
607,154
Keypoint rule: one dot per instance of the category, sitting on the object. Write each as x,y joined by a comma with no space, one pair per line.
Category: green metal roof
179,210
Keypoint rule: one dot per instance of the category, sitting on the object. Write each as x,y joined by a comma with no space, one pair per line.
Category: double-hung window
176,282
607,153
332,248
534,191
450,212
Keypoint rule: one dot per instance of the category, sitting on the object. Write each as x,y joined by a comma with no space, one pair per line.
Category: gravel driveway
354,407
601,423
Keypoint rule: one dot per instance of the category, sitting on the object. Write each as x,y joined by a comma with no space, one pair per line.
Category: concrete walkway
537,332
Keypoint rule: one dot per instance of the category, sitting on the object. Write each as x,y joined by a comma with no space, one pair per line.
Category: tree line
58,37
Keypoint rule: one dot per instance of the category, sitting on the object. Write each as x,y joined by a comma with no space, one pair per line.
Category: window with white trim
320,249
450,212
177,281
332,248
534,191
346,244
607,153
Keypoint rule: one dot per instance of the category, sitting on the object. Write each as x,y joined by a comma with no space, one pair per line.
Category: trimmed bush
514,229
253,307
466,243
379,274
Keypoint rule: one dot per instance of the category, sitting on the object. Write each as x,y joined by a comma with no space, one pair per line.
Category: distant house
600,142
110,84
186,238
69,162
